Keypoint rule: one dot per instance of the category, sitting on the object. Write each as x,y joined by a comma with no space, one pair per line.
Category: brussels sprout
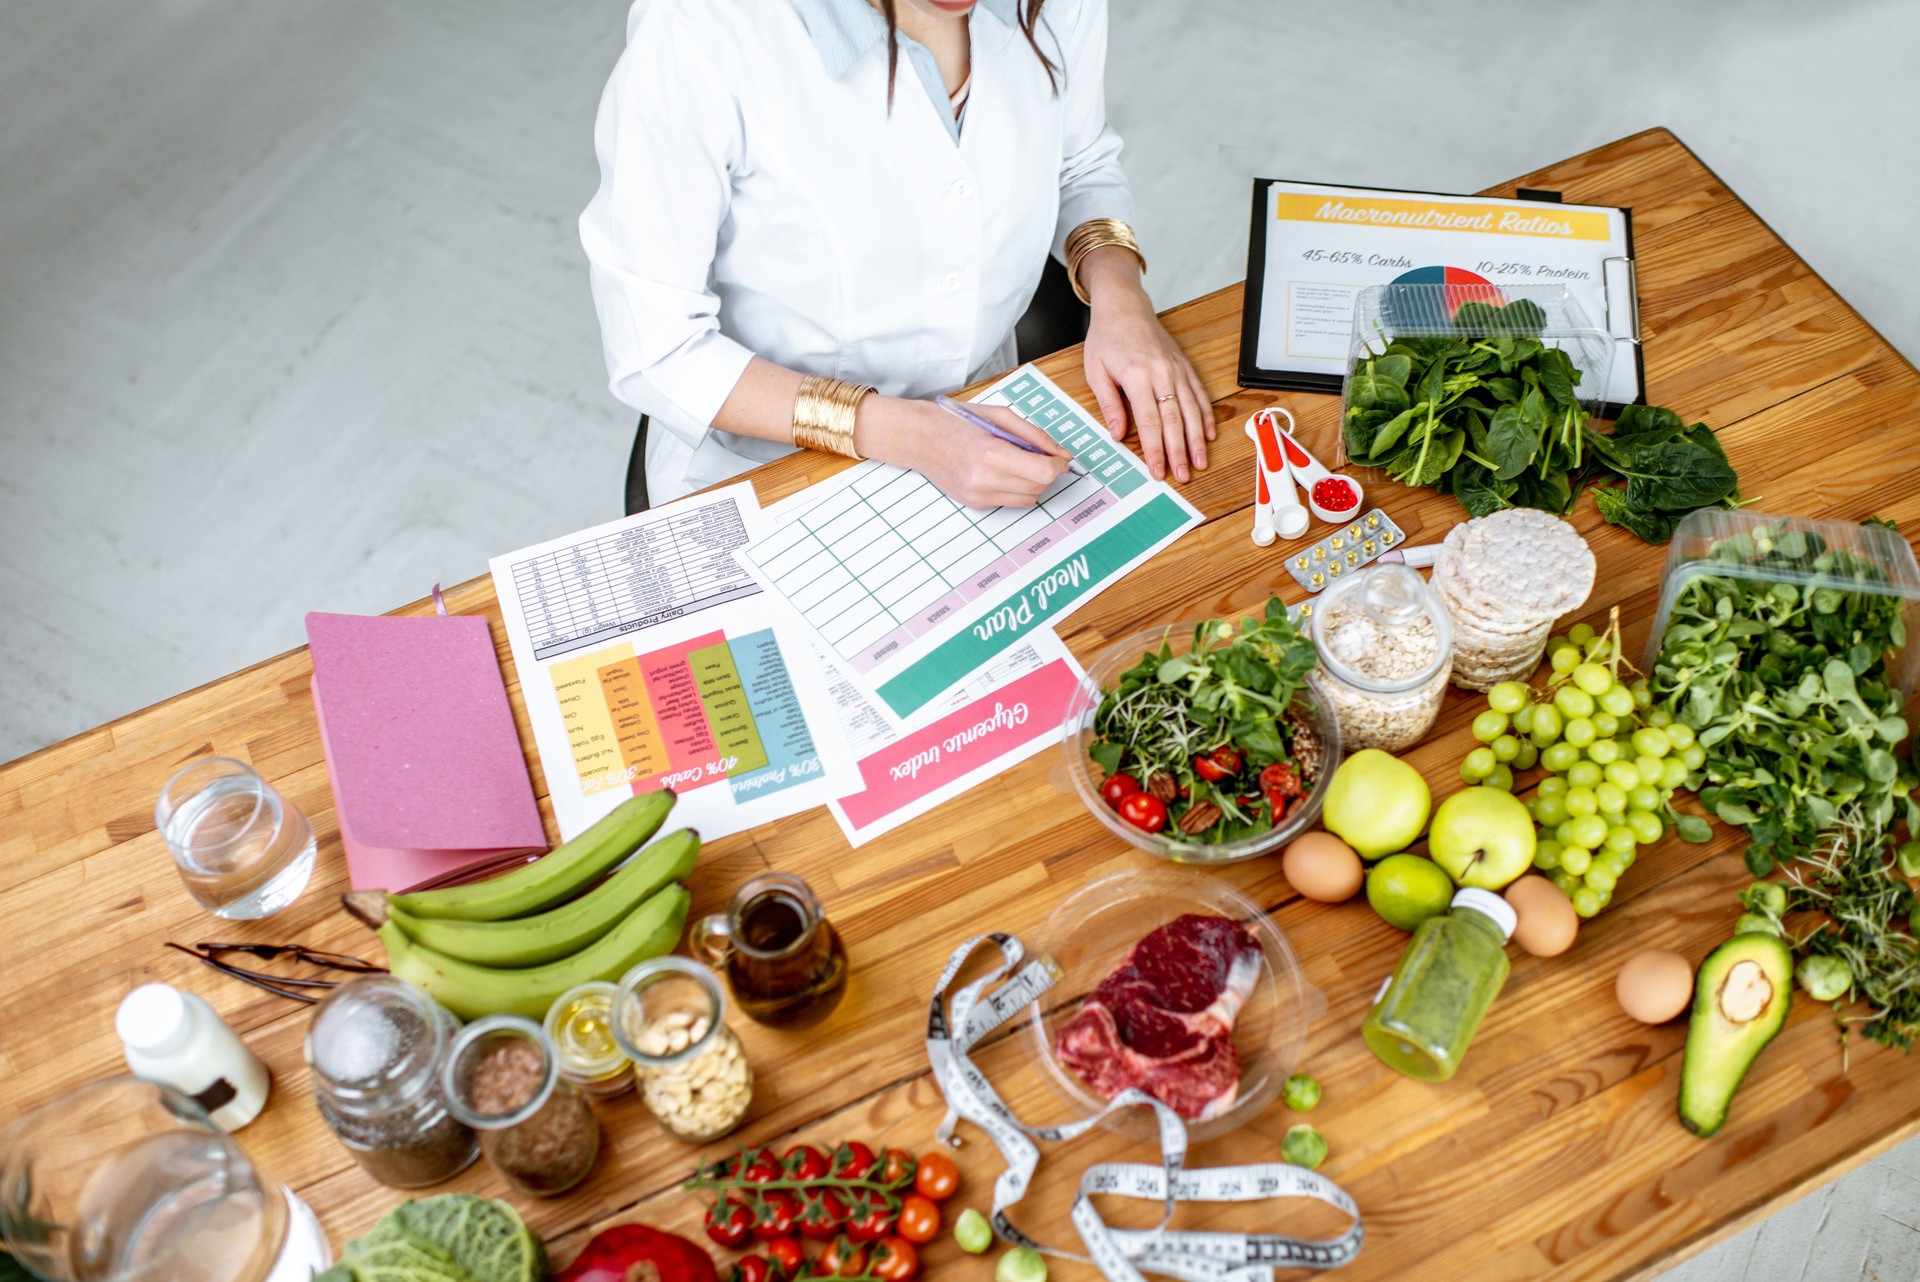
1910,858
1301,1092
1756,924
1304,1146
1826,979
1768,897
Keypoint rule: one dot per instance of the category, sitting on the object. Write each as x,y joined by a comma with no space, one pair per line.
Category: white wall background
293,316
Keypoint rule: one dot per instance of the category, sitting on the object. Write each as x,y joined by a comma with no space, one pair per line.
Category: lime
1407,889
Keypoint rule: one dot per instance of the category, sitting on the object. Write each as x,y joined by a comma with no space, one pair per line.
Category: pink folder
429,781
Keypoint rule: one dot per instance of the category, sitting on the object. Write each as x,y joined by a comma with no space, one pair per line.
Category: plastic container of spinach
1840,561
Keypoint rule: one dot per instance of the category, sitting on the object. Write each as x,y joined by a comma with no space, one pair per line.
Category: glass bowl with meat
1201,742
1177,983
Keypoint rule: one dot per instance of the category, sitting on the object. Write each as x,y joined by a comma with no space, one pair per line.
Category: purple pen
991,428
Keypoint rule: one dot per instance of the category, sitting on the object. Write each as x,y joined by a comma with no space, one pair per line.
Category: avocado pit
1745,992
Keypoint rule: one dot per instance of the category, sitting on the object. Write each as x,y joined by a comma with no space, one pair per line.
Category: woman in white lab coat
813,215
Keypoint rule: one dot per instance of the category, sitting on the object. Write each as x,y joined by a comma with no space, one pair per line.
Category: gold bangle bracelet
824,410
1097,233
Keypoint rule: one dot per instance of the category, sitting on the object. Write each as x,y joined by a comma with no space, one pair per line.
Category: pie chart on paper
1463,286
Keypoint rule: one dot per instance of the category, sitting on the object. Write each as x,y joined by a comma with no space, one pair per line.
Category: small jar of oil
580,1025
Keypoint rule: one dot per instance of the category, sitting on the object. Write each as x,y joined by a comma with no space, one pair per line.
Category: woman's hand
969,466
1138,373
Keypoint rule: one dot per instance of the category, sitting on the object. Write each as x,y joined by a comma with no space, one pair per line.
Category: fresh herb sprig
1490,414
1786,686
1231,689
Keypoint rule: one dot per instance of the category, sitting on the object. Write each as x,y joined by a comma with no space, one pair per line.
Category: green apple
1377,803
1483,837
1407,889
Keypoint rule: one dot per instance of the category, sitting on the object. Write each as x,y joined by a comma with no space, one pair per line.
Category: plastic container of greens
1836,556
1104,673
1384,313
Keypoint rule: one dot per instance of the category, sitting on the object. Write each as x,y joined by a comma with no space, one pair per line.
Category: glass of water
127,1180
243,849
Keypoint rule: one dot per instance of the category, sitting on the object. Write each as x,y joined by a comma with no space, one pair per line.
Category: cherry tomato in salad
1118,788
898,1169
871,1219
1221,763
852,1160
1144,811
805,1162
1279,777
729,1224
824,1215
919,1219
776,1216
787,1257
843,1258
895,1260
937,1177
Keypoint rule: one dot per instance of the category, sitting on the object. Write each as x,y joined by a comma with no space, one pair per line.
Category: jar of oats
1386,650
669,1019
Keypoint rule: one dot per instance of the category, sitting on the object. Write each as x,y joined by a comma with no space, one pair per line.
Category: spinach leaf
1511,442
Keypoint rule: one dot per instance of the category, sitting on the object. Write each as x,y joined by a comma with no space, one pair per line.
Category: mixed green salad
1216,744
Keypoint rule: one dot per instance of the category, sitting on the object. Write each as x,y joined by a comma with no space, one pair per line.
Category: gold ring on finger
1170,396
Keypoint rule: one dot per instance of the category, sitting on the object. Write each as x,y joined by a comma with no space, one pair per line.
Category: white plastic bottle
176,1038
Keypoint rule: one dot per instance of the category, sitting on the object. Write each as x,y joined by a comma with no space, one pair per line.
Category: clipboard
1312,246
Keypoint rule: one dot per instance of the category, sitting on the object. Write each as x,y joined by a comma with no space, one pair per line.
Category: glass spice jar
1385,646
669,1018
376,1046
536,1128
580,1026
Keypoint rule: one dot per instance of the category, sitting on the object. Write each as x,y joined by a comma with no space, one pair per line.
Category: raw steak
1163,1020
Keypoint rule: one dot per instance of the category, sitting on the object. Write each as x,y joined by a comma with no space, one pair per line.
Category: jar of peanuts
669,1019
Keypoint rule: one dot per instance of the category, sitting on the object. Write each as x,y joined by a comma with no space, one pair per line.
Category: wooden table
1555,1152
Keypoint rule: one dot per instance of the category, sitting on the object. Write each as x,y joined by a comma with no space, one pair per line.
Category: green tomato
1826,979
1575,860
1300,1093
1647,826
1583,774
1559,757
1594,679
1021,1264
1303,1146
972,1232
1489,726
1505,748
1589,831
1509,697
1604,751
1573,702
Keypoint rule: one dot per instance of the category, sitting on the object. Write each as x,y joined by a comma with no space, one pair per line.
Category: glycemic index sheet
648,658
909,591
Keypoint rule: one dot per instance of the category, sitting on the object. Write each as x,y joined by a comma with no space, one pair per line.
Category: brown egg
1548,925
1654,986
1321,866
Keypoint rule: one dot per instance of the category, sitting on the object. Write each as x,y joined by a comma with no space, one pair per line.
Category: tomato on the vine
1118,788
824,1214
752,1268
776,1215
937,1177
729,1223
895,1260
764,1168
804,1162
843,1258
1221,763
871,1218
1144,811
919,1219
897,1168
787,1257
852,1160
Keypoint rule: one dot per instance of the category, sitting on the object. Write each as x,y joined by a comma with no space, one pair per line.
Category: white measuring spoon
1288,515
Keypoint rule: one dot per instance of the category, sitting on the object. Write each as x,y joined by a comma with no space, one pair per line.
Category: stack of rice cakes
1504,579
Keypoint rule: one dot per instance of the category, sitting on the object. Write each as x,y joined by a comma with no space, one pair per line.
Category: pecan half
1163,785
1202,816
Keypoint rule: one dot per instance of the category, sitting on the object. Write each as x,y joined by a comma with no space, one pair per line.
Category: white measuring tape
1123,1255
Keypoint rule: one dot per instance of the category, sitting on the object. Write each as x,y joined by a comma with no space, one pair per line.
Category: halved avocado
1740,1001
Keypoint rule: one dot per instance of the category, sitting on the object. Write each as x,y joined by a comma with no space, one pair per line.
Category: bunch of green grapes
1612,765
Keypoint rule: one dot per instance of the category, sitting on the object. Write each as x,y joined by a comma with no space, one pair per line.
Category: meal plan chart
647,659
910,591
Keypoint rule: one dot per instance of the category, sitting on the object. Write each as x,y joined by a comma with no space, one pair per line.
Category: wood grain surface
1554,1153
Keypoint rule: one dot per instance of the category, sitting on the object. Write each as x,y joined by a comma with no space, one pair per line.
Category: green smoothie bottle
1433,1002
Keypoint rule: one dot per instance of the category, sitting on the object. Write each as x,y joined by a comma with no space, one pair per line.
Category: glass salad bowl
1086,775
1092,933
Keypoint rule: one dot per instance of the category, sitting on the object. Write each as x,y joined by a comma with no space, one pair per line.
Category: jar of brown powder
503,1079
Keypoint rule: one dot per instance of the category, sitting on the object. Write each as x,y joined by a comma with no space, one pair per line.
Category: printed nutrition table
579,595
889,557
